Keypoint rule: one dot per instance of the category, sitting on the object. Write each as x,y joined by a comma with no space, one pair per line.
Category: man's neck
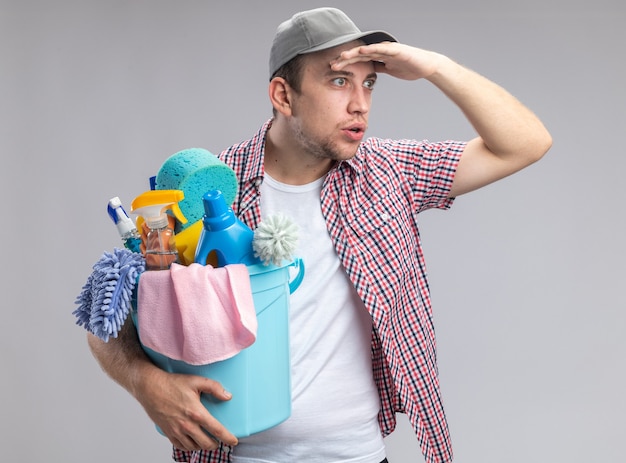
287,163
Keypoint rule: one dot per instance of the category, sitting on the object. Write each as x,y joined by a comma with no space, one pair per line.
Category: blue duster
105,300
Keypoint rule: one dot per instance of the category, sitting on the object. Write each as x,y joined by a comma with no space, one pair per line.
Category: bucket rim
255,269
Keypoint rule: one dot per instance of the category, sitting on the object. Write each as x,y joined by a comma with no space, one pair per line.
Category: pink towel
196,313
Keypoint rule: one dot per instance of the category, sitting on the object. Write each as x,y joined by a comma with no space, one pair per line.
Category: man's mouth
356,128
355,132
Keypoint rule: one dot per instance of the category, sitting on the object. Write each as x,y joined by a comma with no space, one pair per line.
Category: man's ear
280,95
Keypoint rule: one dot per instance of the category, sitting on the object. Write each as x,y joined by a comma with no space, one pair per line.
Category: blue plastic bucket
259,377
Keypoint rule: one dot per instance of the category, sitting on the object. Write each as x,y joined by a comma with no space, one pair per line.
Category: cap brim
369,38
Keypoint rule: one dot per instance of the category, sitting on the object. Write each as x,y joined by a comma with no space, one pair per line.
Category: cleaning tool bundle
258,375
151,205
105,300
228,322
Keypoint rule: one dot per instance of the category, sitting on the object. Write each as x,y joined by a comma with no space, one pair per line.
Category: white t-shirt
335,402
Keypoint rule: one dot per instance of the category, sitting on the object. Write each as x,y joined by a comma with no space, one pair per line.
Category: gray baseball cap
316,30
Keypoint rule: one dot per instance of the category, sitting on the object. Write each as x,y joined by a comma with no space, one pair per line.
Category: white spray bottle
160,241
125,226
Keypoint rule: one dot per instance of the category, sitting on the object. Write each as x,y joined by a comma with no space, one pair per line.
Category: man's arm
172,401
510,137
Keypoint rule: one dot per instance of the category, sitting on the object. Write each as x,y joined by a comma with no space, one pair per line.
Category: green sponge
196,171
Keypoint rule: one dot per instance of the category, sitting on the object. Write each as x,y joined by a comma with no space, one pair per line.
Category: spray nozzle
151,205
118,215
125,225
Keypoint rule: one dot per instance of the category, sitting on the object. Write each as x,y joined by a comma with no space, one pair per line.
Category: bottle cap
217,215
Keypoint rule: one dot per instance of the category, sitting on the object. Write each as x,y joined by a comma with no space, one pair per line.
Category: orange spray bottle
151,206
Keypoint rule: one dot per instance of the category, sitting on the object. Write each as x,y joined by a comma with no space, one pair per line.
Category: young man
363,345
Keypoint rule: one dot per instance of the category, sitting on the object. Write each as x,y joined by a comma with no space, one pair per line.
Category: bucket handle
295,283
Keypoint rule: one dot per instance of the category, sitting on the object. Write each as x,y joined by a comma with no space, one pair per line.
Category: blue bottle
223,233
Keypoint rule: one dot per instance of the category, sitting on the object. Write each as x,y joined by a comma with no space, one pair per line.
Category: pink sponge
196,171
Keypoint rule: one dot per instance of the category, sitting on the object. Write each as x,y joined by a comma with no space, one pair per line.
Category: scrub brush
105,300
275,239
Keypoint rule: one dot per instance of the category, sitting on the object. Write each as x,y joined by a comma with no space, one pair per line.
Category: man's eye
340,81
369,84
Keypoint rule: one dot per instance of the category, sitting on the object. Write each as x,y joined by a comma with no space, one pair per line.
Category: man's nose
360,100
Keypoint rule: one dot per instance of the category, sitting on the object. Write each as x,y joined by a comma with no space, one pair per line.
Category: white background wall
527,275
